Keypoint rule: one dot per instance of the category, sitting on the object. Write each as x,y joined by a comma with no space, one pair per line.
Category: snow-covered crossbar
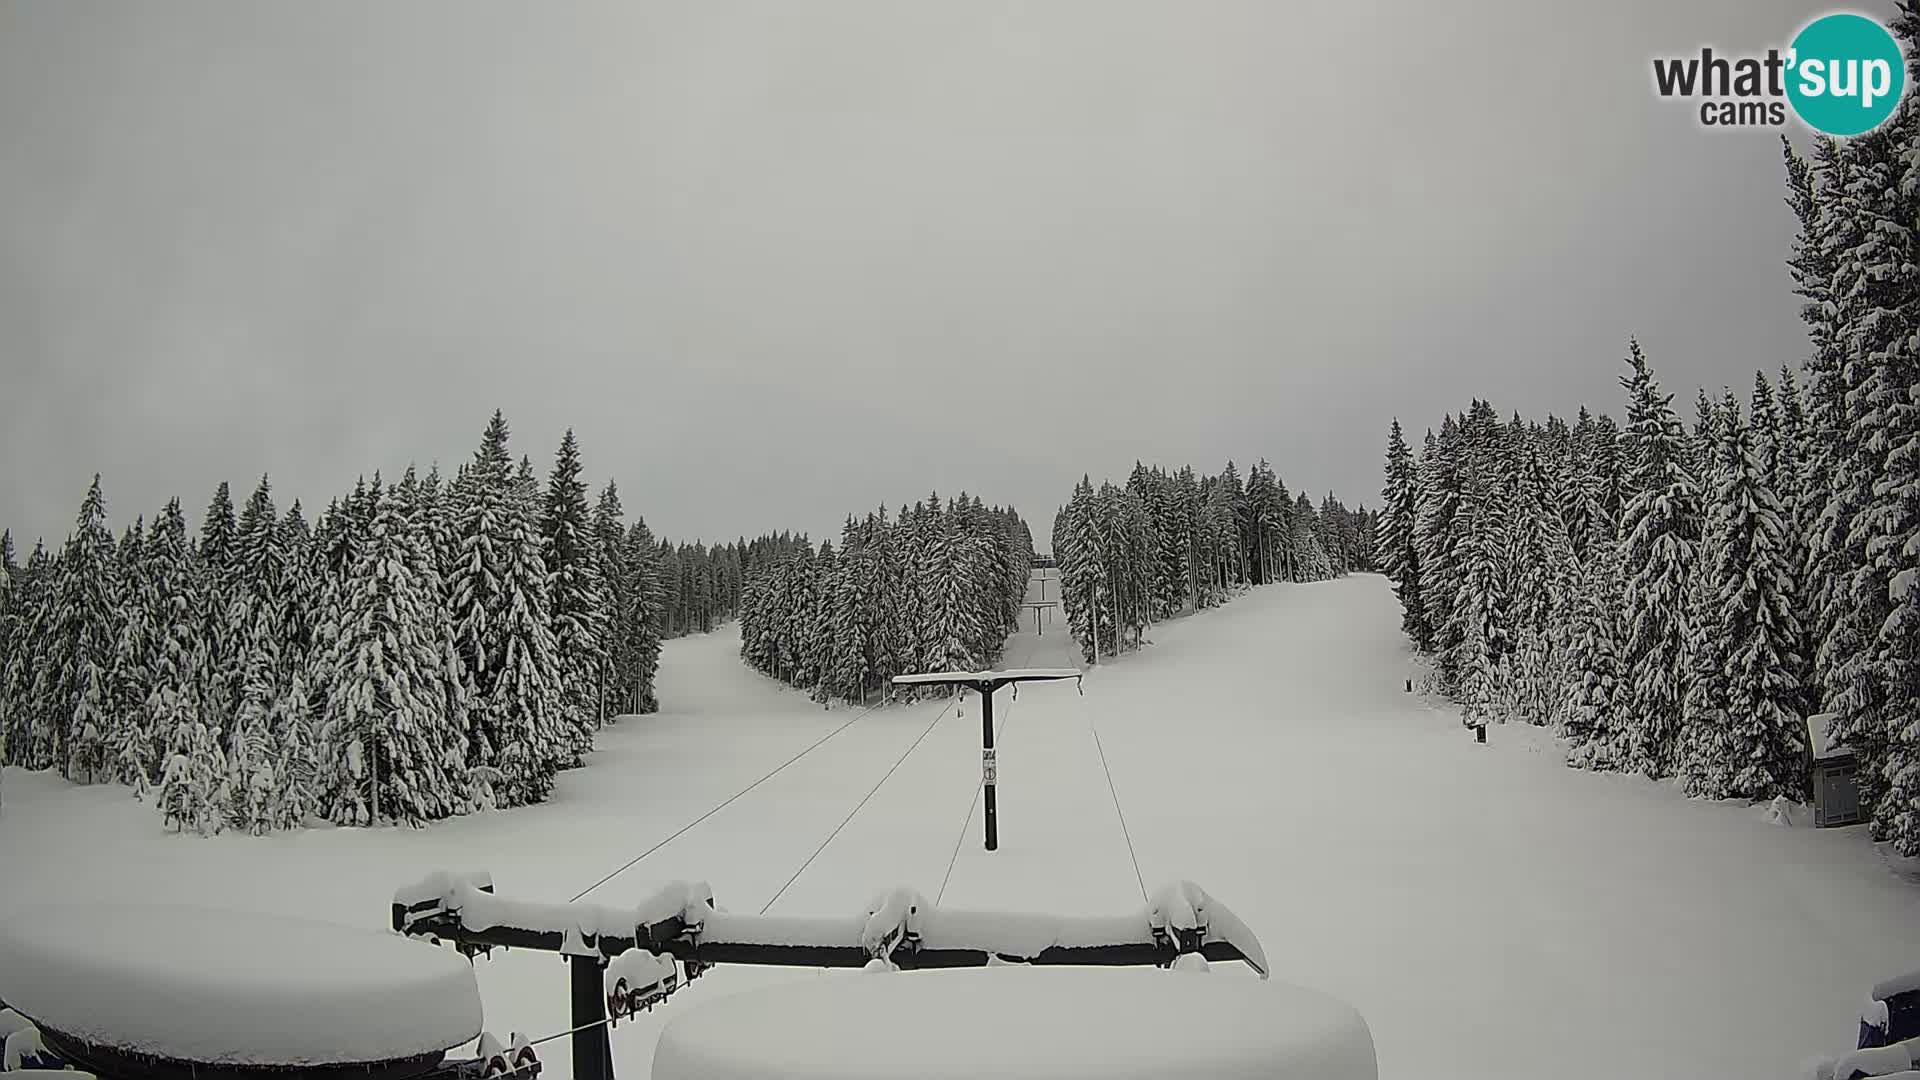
622,959
1010,675
899,926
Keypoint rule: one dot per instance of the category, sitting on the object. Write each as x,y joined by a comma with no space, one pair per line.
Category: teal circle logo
1846,74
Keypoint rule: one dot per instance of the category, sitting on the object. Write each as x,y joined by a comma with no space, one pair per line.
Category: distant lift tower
985,683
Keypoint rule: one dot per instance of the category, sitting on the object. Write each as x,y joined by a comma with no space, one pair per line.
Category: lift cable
863,802
688,827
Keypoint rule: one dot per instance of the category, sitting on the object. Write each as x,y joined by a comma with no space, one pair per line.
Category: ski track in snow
1491,912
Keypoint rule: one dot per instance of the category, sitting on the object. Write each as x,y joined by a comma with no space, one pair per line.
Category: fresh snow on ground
1488,911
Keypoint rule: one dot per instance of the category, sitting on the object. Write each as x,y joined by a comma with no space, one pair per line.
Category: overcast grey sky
778,261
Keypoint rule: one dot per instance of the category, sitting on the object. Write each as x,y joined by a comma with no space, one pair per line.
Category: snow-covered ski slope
1492,913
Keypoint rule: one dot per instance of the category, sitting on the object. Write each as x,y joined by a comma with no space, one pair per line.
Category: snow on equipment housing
1889,1041
622,960
154,992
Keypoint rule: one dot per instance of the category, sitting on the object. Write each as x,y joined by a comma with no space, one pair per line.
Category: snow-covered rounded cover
223,987
1020,1023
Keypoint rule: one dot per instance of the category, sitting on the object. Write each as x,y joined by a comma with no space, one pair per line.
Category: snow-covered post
592,1046
985,683
988,766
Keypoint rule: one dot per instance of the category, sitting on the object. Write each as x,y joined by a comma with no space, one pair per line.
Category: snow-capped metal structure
132,991
623,959
985,683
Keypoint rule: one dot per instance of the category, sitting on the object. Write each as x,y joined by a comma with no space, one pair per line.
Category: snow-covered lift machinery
985,683
138,991
626,959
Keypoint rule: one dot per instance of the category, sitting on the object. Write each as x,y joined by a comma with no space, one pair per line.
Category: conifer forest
424,647
1166,544
1676,598
939,588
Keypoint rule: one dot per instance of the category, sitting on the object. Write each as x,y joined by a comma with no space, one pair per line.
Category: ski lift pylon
985,683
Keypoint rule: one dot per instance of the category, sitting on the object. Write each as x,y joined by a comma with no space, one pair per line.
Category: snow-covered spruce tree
1872,296
1440,502
1832,495
1482,603
848,675
193,787
83,645
296,763
1316,564
222,667
1661,528
642,619
385,737
577,604
423,505
638,600
797,597
1764,740
250,752
755,641
296,538
1187,514
1165,576
336,547
1893,545
617,594
30,737
1234,531
1539,555
1578,485
1082,576
257,626
1701,758
174,652
9,612
1264,516
261,564
131,756
1398,554
892,602
193,790
1480,701
1126,542
500,617
644,556
1593,727
819,624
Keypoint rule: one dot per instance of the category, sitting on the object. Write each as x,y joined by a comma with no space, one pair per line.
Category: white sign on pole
987,766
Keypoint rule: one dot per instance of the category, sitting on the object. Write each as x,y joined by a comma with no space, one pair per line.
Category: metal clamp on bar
637,980
494,1060
1182,916
893,924
433,901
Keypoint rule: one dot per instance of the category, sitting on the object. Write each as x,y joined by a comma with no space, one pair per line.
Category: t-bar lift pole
985,683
